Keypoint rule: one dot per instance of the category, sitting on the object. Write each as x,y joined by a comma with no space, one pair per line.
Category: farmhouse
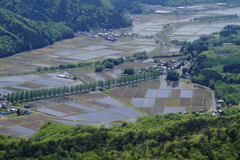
162,12
7,105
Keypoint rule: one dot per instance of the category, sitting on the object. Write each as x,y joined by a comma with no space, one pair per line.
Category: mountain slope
171,136
19,34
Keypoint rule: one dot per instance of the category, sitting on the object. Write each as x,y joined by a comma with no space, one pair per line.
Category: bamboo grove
48,93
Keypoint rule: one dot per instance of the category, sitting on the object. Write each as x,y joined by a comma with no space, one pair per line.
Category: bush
129,71
99,69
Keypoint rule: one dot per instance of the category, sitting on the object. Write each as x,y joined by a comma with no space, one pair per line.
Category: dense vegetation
216,62
188,2
32,24
19,34
170,136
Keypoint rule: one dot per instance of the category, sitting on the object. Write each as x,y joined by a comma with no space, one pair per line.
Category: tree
39,69
172,76
129,71
45,68
52,68
71,65
109,65
184,70
99,68
62,66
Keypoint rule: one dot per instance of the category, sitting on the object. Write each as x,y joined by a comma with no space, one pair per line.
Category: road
213,101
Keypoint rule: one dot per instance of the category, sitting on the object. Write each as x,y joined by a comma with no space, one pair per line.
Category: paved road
213,101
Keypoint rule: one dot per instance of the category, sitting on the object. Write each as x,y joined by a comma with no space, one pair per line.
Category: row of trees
70,65
233,16
47,93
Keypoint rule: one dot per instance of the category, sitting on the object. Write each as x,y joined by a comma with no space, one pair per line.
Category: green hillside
19,34
170,136
32,24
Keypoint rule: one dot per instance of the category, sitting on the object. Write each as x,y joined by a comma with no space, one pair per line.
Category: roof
161,11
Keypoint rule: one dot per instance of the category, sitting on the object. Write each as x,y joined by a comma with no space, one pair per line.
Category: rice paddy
173,97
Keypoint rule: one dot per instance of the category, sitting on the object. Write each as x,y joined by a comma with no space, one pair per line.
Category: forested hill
187,2
76,14
32,24
19,34
170,136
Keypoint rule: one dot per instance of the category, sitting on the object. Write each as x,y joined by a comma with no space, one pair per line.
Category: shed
220,101
28,112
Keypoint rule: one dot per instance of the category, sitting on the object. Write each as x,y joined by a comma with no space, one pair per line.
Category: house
7,105
61,76
220,101
27,106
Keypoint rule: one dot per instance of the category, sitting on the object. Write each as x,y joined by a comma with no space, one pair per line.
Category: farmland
169,97
87,109
125,103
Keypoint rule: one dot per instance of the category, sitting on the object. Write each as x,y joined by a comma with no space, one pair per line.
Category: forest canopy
170,136
32,24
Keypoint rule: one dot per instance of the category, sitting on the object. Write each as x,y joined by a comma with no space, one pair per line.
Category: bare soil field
188,109
155,85
196,109
102,104
56,108
12,89
175,93
8,131
16,120
140,94
147,109
160,102
32,85
187,86
34,125
117,93
78,97
201,93
71,109
122,88
207,102
143,85
128,100
197,101
6,123
44,76
129,93
40,117
157,111
105,76
185,101
133,86
87,96
173,102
